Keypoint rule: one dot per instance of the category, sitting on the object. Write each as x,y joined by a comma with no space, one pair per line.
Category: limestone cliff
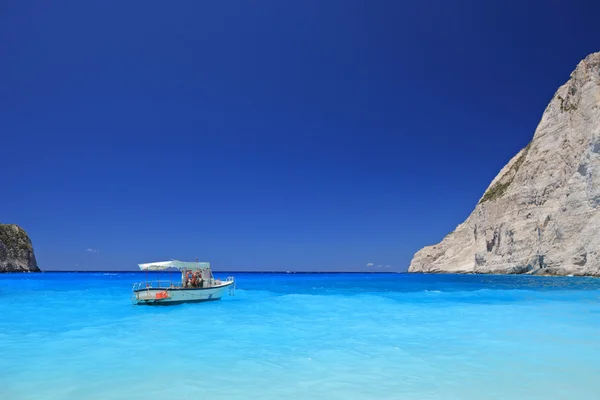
541,214
16,251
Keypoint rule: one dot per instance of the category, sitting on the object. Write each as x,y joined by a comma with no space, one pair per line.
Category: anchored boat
197,284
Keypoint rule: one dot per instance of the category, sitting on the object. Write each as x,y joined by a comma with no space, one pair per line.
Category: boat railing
155,285
232,287
166,284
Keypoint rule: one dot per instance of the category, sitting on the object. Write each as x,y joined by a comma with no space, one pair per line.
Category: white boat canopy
161,265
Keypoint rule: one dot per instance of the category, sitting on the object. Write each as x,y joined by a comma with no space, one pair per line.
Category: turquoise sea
303,336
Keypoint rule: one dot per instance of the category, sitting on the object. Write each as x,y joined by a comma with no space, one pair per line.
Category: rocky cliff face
541,214
16,251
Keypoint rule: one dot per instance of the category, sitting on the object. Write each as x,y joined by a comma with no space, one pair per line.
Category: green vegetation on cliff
16,250
499,188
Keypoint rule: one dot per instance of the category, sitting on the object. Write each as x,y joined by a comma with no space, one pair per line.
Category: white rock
541,214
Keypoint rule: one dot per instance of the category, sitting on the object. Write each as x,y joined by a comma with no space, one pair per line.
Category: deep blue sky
307,135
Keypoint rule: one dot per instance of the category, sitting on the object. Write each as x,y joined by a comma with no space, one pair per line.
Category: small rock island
16,250
541,214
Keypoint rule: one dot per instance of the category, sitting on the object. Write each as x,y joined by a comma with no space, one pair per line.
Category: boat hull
171,296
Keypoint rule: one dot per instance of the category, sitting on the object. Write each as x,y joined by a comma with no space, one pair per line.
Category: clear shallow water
303,336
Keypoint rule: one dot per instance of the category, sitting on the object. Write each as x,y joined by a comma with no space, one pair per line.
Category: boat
196,284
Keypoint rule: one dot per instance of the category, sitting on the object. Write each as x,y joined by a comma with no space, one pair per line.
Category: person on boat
188,278
198,278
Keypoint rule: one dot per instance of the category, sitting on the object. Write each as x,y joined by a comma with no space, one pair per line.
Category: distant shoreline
220,272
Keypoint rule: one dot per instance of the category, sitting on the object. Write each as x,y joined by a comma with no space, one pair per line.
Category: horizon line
224,271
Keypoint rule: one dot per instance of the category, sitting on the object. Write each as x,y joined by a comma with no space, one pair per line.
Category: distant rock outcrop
541,214
16,251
